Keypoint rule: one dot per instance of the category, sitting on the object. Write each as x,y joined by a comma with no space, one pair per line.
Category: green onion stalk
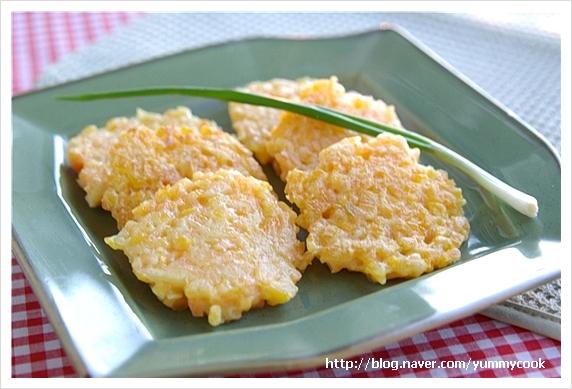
518,200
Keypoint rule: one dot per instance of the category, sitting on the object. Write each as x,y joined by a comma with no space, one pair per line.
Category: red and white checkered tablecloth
40,39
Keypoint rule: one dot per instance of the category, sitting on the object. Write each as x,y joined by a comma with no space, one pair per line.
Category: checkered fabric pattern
40,39
37,352
473,339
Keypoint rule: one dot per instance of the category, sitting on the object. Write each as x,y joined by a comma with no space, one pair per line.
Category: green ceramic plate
112,325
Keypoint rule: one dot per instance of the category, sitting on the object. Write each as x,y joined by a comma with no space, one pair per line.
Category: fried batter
296,141
253,123
88,152
144,160
369,206
219,244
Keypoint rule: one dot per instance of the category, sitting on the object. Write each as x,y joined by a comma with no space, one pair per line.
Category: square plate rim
351,349
383,28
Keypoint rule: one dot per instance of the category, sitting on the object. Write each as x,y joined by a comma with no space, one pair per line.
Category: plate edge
31,276
410,38
383,27
46,305
354,349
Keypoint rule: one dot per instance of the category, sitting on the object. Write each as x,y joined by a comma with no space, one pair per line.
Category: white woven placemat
517,63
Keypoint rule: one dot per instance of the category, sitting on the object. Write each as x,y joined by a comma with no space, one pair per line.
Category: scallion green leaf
520,201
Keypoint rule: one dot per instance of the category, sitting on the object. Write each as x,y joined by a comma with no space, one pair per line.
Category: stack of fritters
220,243
293,141
367,203
200,224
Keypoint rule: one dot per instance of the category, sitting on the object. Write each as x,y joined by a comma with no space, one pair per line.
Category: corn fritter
88,152
296,141
369,206
219,244
144,160
253,123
